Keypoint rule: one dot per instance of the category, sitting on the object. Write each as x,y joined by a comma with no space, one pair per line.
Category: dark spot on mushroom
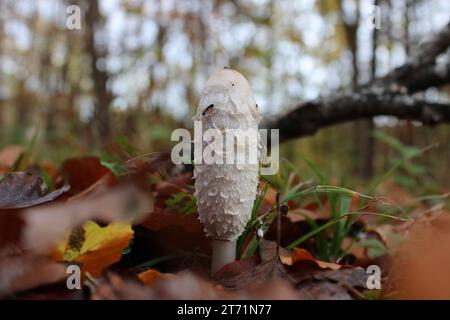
257,107
232,84
226,67
207,108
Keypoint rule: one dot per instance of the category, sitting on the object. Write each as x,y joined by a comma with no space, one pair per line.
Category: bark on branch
310,116
387,95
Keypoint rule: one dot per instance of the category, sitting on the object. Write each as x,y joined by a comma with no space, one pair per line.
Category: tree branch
383,96
308,117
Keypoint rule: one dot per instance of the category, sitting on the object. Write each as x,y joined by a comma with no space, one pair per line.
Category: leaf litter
137,236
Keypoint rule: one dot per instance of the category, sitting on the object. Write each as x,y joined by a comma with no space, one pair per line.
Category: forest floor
129,230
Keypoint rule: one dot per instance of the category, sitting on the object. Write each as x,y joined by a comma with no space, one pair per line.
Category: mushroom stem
223,252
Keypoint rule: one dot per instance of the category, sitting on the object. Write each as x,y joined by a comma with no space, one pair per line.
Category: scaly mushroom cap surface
226,192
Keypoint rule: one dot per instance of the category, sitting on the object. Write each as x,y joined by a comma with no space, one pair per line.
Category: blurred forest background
136,68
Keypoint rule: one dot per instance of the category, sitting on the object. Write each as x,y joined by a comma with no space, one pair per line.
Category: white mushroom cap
227,84
226,192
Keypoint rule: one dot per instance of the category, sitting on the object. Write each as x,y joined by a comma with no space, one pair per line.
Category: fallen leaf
114,287
270,196
158,221
22,190
420,267
186,286
183,286
323,290
95,248
325,284
235,268
11,225
193,248
28,271
83,172
148,277
248,275
166,189
45,226
289,257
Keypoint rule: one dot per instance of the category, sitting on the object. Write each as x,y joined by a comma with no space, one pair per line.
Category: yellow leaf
95,248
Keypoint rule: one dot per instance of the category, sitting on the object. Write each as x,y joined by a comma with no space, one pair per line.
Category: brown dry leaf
273,289
22,190
420,269
28,271
45,226
296,216
11,224
170,232
114,287
186,286
166,189
323,290
83,172
235,268
323,284
157,161
182,179
288,258
355,251
247,276
172,239
148,277
102,185
95,248
183,286
290,231
189,286
393,236
313,279
158,221
270,197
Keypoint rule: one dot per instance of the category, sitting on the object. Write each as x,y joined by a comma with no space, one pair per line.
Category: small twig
355,293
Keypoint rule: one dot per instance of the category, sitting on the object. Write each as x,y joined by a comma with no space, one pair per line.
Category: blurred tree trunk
361,129
409,6
45,75
21,106
103,98
368,146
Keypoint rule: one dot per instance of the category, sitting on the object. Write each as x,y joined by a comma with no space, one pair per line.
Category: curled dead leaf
22,190
83,172
148,277
288,257
28,271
